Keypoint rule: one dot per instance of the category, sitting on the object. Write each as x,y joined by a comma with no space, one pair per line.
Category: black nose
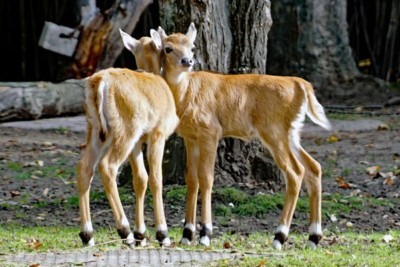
187,62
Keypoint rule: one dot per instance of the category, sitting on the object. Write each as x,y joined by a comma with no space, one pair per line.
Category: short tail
101,103
315,110
96,102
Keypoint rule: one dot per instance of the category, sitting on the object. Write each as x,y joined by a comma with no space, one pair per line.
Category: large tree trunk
310,39
232,38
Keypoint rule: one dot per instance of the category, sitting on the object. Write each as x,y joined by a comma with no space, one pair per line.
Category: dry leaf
45,192
40,163
388,181
333,241
35,265
97,254
333,218
227,245
332,139
14,193
373,170
341,183
263,262
383,127
47,144
33,243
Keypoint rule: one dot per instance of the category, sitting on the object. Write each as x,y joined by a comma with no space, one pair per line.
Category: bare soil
37,169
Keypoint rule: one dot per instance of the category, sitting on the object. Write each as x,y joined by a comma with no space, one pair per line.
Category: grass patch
15,166
344,249
176,194
231,201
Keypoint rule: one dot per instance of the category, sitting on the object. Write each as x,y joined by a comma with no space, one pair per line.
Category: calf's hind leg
108,168
155,153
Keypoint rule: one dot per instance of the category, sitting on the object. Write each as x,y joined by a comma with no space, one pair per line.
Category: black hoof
188,234
139,237
315,238
86,237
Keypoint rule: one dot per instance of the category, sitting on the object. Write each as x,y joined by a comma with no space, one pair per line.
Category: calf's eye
168,50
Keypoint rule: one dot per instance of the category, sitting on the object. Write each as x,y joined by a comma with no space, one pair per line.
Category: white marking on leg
190,226
185,241
205,241
87,227
209,227
277,245
282,229
141,229
162,228
130,239
315,229
166,242
124,222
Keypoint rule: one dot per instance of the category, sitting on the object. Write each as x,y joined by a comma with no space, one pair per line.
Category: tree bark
231,38
310,39
100,42
34,100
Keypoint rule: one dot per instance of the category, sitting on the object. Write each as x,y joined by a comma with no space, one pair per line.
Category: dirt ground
37,171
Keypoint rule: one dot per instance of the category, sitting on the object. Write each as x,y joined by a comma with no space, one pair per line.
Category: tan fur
125,109
271,108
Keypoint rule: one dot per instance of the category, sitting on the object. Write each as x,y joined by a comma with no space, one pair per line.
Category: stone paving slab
127,257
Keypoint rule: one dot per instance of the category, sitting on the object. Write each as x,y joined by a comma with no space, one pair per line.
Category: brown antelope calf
124,109
212,106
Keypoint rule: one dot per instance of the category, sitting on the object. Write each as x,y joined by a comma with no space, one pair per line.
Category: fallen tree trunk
34,100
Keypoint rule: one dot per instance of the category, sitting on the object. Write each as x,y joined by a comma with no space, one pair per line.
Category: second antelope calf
125,109
211,106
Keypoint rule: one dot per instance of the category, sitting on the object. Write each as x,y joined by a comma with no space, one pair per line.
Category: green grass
343,249
260,205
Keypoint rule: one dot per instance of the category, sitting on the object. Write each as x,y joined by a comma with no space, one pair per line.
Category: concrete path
78,124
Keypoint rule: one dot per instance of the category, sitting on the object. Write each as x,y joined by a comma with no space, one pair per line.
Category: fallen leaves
33,243
332,139
262,263
227,245
373,170
14,193
341,183
376,173
383,127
